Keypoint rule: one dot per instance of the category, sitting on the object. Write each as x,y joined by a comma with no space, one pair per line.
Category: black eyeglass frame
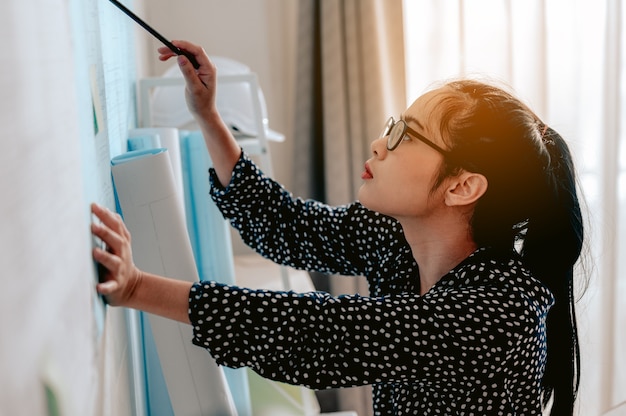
391,146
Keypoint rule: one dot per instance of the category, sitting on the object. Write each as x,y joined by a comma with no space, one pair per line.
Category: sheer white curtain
566,59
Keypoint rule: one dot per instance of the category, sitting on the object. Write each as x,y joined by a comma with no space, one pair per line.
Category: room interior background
314,62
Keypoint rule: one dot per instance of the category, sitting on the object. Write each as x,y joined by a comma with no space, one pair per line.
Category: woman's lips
367,173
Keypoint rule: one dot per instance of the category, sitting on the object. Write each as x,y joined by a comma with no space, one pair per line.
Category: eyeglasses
397,130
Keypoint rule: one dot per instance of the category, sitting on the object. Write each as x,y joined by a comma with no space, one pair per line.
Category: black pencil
156,34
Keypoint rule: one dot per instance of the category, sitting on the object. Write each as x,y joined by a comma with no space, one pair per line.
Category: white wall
60,349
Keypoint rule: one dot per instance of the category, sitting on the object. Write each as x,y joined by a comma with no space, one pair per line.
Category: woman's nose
379,147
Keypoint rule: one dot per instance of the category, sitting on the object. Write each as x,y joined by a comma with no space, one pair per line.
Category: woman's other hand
121,277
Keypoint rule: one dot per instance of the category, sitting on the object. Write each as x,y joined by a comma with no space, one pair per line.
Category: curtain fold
612,198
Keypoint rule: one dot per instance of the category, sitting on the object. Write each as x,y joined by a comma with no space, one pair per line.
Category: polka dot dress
472,345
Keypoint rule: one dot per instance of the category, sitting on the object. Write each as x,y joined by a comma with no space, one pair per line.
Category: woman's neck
438,248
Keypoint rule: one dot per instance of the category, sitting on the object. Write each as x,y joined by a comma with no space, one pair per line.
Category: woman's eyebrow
409,117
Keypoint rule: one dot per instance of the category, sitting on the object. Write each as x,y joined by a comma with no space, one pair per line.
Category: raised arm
200,93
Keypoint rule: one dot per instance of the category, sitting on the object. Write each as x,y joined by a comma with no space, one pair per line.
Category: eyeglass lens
387,128
395,132
395,136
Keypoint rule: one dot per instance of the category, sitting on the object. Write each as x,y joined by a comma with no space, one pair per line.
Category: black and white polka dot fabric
473,345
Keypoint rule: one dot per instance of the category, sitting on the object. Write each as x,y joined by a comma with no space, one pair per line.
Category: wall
61,350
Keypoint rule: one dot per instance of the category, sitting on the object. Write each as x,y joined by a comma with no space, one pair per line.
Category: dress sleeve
304,234
320,341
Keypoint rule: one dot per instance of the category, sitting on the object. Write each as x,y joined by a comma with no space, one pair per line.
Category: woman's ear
465,189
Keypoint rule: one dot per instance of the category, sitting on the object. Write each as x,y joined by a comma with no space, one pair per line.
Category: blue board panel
209,231
210,239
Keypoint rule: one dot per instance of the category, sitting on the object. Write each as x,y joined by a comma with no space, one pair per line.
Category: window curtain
350,79
566,59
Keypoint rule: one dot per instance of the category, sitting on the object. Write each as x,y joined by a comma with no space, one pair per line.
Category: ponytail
552,245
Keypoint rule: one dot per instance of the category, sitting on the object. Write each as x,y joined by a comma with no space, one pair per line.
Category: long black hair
530,206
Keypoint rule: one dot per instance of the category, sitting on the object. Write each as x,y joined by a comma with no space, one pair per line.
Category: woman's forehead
426,110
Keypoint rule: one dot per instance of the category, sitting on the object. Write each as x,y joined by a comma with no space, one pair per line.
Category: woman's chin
366,198
362,194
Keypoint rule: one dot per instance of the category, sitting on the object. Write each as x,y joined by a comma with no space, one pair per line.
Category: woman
467,228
